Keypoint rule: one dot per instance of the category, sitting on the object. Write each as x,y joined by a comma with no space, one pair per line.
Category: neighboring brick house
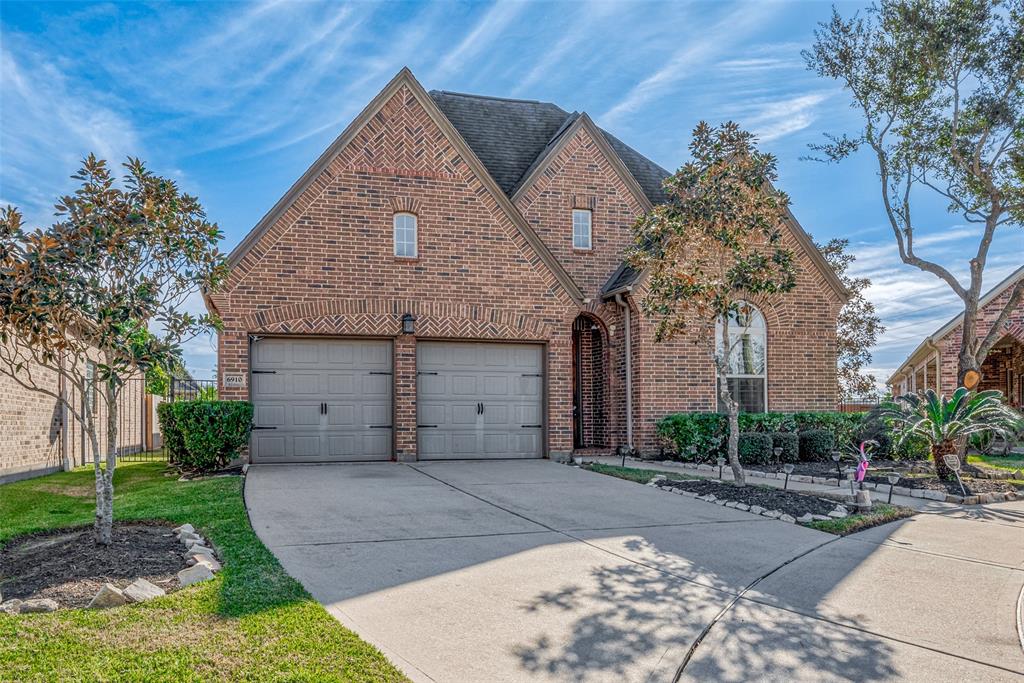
39,436
447,281
933,364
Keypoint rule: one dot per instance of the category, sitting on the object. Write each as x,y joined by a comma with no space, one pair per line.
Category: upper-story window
748,359
405,235
581,229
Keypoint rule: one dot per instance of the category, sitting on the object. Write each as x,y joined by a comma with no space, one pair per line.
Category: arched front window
748,359
405,235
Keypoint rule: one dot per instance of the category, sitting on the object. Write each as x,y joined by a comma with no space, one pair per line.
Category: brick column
405,398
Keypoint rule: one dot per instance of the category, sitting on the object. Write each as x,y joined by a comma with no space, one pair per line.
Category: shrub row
204,435
804,436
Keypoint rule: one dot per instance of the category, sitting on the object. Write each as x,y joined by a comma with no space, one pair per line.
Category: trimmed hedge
816,445
755,448
206,435
708,432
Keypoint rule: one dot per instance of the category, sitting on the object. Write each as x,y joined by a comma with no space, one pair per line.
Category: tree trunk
105,481
967,359
939,451
732,409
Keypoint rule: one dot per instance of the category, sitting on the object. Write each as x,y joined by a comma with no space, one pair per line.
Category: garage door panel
306,414
341,384
294,378
504,378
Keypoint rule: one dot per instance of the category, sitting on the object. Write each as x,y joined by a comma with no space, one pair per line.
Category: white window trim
590,229
763,375
415,235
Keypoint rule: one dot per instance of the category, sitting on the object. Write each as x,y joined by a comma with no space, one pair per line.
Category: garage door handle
264,372
255,428
426,373
426,426
379,426
536,374
531,426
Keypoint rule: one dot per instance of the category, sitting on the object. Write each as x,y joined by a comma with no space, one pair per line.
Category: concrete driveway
534,571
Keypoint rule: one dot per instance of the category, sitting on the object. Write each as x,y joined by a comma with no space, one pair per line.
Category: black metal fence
138,428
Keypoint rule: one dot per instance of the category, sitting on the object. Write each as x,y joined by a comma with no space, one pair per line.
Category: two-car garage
332,400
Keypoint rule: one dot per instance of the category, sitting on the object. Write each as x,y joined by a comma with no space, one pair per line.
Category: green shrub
789,442
705,431
755,448
212,432
170,432
767,422
843,426
816,445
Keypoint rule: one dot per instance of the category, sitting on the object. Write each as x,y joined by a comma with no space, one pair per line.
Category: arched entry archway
590,383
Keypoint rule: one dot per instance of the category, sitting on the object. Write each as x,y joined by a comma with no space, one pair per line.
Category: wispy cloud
49,124
482,35
775,119
682,64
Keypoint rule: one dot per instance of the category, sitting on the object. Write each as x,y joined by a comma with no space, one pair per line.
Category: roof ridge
492,97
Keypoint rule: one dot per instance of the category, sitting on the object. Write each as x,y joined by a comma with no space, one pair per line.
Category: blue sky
235,100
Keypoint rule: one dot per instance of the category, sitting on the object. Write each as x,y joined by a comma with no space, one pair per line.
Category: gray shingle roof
511,136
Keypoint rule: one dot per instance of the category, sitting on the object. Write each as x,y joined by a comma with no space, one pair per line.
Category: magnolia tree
714,245
96,298
939,87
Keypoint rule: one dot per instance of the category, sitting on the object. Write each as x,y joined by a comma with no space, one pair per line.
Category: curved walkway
533,571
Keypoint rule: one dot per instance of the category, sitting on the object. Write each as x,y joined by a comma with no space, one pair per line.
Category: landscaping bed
915,474
67,566
795,505
250,622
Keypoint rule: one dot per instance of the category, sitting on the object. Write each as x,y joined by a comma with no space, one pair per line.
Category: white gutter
629,371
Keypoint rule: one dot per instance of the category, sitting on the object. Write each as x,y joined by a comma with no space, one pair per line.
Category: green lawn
639,475
252,622
1011,463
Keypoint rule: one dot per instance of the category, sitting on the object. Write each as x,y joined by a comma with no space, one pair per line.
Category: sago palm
941,421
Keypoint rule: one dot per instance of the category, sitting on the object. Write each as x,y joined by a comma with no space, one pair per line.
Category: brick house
933,364
38,435
446,281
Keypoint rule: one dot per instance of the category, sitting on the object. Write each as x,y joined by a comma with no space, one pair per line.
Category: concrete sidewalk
533,571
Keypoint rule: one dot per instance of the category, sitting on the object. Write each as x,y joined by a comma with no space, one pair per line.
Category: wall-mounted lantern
408,323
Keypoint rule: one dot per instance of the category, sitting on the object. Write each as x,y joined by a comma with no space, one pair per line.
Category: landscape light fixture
721,464
693,452
408,323
788,469
851,475
836,455
893,478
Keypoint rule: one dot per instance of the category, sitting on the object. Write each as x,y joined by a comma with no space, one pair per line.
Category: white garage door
479,400
321,400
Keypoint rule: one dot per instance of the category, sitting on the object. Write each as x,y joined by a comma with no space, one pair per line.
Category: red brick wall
949,344
327,266
679,375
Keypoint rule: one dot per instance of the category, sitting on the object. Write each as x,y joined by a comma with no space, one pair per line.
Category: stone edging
839,512
927,494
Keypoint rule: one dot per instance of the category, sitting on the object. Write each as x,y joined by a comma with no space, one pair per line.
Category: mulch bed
910,478
67,565
788,502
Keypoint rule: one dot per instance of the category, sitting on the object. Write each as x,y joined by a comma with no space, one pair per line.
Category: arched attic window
405,235
748,360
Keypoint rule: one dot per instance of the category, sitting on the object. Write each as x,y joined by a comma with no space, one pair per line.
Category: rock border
927,494
839,512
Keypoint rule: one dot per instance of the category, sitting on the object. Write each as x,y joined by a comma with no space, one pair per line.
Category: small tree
858,326
77,299
939,86
716,242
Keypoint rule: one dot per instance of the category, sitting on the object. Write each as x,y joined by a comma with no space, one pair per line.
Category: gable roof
932,339
513,137
405,78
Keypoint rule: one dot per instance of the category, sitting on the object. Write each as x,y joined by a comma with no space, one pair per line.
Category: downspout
629,371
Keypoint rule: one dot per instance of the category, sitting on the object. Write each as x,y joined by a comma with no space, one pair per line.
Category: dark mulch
67,565
789,502
912,476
